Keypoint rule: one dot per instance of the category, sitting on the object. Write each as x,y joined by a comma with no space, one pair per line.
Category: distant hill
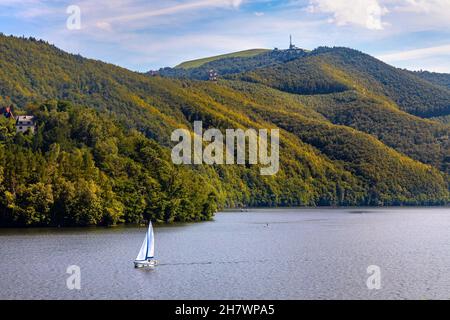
411,93
240,54
442,79
298,71
354,89
233,64
103,142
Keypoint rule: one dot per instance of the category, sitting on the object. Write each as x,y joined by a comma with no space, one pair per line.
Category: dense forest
233,64
327,70
81,168
101,152
442,79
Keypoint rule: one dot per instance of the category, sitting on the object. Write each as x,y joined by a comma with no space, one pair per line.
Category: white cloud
422,14
236,3
370,13
104,26
365,13
430,58
181,7
422,6
416,53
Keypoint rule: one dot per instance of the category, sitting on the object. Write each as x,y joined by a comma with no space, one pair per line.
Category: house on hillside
25,123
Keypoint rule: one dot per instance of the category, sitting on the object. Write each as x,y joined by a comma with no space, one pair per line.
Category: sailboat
146,256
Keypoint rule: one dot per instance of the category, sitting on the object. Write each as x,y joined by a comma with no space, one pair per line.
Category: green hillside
421,139
442,79
329,70
240,54
235,64
102,151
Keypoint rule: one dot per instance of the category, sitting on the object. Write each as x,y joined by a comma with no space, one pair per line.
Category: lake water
261,254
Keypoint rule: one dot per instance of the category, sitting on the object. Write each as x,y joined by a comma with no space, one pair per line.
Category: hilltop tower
291,45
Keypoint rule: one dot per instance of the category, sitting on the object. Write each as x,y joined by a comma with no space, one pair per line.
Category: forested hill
101,154
231,64
442,79
327,70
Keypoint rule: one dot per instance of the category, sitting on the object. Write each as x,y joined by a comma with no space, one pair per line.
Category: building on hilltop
25,123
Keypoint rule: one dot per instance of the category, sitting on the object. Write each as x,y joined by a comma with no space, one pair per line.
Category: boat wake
212,262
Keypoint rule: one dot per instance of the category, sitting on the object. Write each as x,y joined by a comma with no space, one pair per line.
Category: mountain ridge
238,54
415,93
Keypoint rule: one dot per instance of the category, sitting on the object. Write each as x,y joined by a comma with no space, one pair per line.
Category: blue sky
143,35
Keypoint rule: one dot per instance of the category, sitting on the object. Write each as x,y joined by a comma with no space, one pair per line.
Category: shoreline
225,210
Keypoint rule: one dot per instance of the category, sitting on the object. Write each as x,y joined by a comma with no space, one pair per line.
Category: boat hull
149,264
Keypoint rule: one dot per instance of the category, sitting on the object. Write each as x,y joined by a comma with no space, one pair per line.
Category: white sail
151,242
148,246
143,251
